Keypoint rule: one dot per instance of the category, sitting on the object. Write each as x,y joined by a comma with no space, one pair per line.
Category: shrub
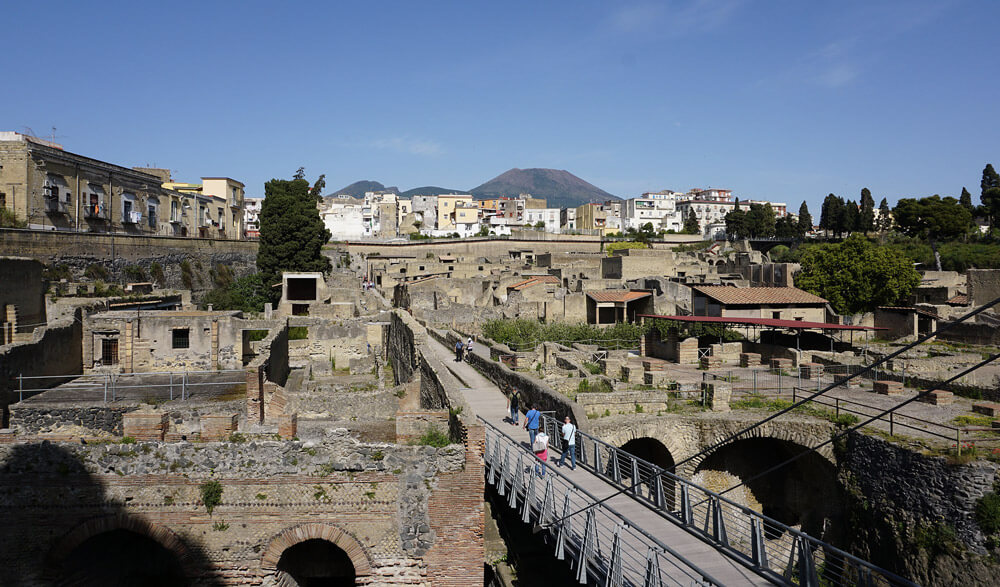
594,368
211,494
57,273
255,335
298,332
222,276
135,273
9,219
434,437
96,271
617,246
988,513
156,272
187,275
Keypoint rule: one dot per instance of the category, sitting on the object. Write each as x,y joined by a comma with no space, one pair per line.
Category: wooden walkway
488,402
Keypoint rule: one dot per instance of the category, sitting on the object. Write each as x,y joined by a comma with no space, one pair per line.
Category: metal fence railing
602,546
111,387
772,549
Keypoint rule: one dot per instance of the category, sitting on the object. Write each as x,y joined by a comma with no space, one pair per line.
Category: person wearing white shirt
569,441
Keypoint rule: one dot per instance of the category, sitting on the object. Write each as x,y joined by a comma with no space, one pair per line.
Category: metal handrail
629,556
111,382
736,530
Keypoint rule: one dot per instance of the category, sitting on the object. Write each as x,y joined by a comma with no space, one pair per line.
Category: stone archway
319,554
120,549
653,451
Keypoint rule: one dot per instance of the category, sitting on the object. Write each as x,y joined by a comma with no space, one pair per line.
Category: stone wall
21,286
69,421
913,514
380,503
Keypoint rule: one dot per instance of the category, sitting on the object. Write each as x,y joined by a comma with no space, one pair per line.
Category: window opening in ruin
302,288
3,200
181,338
109,351
317,562
776,315
300,309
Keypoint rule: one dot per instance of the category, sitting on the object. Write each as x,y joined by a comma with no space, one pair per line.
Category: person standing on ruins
531,420
569,444
458,351
468,350
540,446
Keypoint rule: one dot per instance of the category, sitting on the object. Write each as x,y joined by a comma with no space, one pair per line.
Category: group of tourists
463,350
538,439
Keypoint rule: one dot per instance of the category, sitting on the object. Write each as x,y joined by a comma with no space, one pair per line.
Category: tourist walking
569,444
458,351
468,350
514,405
540,446
531,420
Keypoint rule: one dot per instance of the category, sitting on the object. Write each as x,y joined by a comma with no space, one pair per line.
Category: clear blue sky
782,99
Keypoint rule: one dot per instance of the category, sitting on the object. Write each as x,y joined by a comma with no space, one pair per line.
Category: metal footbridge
619,520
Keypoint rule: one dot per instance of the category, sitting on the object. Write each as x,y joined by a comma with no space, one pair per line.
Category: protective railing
110,387
602,546
770,548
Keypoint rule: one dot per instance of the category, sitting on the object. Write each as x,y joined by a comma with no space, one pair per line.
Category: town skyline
779,102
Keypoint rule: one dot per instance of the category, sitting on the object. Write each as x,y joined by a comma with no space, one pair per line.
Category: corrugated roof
759,295
770,322
617,295
908,309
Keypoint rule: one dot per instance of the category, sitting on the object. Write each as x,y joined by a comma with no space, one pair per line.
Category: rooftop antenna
54,136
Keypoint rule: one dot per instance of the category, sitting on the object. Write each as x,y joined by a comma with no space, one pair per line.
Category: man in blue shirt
531,420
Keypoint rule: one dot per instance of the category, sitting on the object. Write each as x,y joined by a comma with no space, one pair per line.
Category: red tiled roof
617,295
770,322
908,309
533,281
758,295
959,300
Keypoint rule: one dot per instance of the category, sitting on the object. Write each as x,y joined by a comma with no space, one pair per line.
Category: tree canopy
857,275
933,218
292,234
691,224
805,219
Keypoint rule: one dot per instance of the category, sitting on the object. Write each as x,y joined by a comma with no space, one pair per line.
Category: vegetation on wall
9,219
525,334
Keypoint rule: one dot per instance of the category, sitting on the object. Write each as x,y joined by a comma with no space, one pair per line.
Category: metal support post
171,385
892,428
20,386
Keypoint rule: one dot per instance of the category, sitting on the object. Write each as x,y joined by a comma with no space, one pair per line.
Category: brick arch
621,436
87,529
336,535
775,432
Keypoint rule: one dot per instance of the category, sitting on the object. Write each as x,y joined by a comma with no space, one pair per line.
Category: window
776,315
3,200
109,351
126,207
181,338
152,216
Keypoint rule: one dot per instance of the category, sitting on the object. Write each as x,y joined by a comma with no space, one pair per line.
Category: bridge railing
602,546
772,549
111,387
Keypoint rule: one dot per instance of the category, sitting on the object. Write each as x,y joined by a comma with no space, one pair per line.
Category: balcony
53,206
95,212
131,217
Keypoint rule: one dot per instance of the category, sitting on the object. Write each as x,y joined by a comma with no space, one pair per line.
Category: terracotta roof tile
617,295
959,300
533,281
759,295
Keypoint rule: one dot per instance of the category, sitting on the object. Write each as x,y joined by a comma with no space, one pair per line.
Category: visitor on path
458,352
468,350
514,405
540,446
531,420
569,444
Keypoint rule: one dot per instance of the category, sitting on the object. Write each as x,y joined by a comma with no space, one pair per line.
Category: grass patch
298,332
211,494
977,420
594,368
433,437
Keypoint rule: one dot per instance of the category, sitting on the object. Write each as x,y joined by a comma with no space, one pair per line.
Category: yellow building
591,217
220,207
446,206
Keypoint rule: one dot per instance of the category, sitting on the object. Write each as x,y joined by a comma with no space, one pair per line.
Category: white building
343,216
567,218
551,217
659,209
251,216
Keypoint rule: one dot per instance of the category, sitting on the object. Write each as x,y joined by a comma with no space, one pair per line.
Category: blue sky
783,99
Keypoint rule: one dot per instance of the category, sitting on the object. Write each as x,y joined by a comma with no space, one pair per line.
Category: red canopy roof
769,322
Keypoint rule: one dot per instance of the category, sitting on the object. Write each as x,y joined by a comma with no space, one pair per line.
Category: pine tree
805,219
990,195
292,234
966,201
691,224
884,216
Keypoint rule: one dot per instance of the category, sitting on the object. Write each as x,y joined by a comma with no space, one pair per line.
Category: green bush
211,494
135,273
523,334
988,513
255,335
594,368
618,246
57,273
156,272
187,275
8,219
434,437
298,332
96,271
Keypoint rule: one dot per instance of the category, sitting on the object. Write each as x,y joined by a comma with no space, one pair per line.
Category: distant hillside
559,187
430,190
358,188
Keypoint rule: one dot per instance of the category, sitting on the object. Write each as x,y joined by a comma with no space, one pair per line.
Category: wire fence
615,344
113,387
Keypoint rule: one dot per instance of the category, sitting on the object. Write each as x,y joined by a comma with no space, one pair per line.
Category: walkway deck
488,402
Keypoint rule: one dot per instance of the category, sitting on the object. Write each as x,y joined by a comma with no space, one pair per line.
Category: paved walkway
488,402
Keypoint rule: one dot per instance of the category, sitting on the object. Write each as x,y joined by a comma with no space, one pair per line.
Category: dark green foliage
187,275
292,234
211,494
758,221
97,271
317,188
966,201
990,194
884,217
298,332
833,215
785,227
525,334
695,329
856,275
134,273
416,236
805,219
691,225
988,513
156,272
866,218
9,219
57,273
255,335
222,275
934,218
247,294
